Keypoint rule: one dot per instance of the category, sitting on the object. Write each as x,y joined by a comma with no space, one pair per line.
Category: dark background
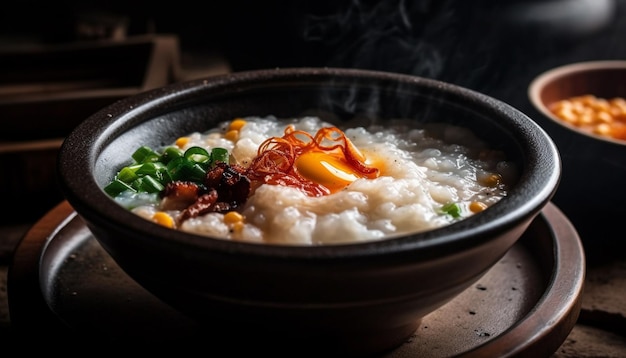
488,45
481,44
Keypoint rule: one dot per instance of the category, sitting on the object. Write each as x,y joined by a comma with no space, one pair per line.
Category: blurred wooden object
45,91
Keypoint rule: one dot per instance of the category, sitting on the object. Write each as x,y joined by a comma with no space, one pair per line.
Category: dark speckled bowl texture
347,299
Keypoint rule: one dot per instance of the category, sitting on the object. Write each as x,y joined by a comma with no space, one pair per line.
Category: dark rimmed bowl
351,299
592,182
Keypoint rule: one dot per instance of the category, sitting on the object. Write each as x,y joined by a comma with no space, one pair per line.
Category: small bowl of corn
582,106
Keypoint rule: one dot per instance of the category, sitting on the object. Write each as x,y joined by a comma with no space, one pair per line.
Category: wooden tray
62,284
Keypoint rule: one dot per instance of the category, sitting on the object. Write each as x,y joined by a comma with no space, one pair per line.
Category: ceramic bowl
346,299
593,163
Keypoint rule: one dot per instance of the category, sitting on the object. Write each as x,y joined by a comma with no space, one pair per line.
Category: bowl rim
552,74
97,208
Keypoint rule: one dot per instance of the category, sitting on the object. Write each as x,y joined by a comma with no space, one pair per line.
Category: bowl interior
339,104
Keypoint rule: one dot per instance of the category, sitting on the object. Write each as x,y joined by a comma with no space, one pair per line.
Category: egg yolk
317,164
326,169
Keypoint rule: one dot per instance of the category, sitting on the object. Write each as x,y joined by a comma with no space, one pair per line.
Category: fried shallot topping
224,189
178,195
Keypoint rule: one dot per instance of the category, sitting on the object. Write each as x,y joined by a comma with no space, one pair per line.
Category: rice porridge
317,184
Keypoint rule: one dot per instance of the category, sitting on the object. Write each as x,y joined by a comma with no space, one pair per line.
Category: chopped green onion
116,187
184,169
197,154
175,168
453,209
128,174
170,153
196,172
151,171
145,154
219,155
156,170
148,184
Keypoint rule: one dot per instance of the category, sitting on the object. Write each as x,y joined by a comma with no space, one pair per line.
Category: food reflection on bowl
582,106
357,297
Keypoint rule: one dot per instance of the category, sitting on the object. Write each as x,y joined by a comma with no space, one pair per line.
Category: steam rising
386,35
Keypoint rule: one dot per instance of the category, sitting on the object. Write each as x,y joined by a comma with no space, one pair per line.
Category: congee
304,181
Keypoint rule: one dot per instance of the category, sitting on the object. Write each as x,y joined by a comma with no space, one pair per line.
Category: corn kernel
560,105
586,99
232,135
600,104
236,124
163,218
237,227
586,119
619,132
233,217
602,129
477,206
618,103
578,107
234,220
492,180
604,116
182,142
567,115
597,115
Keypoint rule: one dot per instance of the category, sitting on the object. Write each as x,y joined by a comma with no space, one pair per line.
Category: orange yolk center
329,170
317,165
